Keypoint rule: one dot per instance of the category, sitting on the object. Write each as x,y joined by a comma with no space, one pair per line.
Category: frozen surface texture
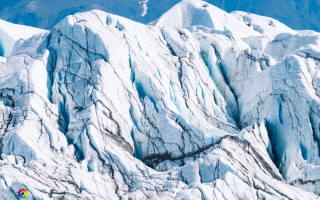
296,14
265,25
198,13
102,107
10,33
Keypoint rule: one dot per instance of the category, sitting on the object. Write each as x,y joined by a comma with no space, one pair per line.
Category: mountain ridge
42,14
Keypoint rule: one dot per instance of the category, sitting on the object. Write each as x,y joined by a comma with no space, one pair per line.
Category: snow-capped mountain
200,105
45,14
296,14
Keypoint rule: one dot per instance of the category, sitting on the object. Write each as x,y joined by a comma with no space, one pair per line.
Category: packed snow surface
102,107
2,59
198,13
265,25
10,33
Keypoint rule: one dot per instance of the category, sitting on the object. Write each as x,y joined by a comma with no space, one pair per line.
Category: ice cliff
200,105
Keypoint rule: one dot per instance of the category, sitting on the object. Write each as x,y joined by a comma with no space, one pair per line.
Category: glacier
296,14
201,104
11,33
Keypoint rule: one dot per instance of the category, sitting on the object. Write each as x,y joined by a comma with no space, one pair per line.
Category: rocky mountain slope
45,14
201,105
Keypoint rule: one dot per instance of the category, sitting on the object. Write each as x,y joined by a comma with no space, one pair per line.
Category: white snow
10,33
2,59
189,13
265,25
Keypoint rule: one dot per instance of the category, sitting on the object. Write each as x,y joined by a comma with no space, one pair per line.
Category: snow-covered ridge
10,33
265,25
199,13
102,107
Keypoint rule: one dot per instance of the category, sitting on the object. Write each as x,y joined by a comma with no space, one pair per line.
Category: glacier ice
11,33
102,107
296,14
265,25
190,13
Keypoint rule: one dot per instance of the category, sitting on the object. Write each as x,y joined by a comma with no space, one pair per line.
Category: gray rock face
102,107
